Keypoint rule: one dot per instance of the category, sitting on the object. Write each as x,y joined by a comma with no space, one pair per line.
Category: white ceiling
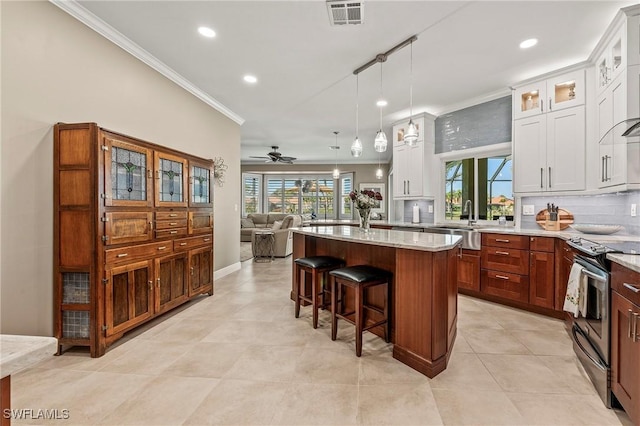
306,90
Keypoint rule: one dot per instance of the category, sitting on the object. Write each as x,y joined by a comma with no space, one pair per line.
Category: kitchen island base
423,293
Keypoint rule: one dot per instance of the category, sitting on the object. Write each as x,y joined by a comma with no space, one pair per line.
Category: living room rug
245,251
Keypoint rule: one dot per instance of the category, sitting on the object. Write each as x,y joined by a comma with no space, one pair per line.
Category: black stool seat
361,273
318,267
319,262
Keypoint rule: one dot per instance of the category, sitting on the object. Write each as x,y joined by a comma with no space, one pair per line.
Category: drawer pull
633,288
173,215
162,248
173,223
183,244
123,255
207,239
500,240
629,332
173,232
503,253
634,338
502,277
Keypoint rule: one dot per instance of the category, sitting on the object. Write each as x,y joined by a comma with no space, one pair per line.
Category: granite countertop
384,237
631,261
19,352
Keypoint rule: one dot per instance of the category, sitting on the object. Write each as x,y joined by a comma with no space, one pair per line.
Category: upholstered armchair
283,237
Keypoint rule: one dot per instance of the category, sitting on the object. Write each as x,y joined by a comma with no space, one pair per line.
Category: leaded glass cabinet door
127,174
200,184
171,180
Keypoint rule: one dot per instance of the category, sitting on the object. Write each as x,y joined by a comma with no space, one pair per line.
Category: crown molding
74,9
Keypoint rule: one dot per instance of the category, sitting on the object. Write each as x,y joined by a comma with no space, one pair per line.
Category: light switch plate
430,208
528,209
634,210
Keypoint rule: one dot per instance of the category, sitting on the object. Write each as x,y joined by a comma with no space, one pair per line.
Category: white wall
55,69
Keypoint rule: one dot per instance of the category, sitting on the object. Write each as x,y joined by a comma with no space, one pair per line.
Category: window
251,186
346,186
311,195
486,181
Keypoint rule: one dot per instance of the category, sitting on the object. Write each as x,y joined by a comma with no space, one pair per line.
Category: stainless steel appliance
590,331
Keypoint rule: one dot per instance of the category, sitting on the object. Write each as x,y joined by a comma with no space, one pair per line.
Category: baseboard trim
220,273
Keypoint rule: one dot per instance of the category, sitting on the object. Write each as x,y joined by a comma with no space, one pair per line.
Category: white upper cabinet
413,166
552,94
549,152
612,60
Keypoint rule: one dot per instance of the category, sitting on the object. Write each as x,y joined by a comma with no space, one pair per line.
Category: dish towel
572,299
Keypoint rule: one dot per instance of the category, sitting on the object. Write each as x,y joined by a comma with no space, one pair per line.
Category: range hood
625,129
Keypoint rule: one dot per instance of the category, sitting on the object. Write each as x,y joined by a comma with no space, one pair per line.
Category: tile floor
240,357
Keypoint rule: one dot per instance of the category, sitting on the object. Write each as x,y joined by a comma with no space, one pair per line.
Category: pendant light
380,142
411,135
356,146
336,147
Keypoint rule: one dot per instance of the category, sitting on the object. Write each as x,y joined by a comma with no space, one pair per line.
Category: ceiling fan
275,157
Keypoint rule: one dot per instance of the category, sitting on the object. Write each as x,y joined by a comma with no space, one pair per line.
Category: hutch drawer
191,242
126,254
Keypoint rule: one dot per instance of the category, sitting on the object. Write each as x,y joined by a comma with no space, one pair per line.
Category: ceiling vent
345,12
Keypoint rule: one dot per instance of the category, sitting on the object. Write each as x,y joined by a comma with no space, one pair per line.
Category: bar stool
360,278
318,267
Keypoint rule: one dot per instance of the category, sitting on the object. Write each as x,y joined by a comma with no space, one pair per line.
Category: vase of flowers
363,201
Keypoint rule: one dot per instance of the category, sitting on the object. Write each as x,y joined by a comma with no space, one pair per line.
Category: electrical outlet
634,210
430,208
528,210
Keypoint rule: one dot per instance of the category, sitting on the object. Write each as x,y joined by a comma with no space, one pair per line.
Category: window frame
475,153
260,194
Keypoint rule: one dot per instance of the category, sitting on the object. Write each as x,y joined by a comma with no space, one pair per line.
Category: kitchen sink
470,236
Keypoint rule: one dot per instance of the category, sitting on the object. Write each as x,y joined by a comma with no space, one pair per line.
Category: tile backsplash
425,216
605,209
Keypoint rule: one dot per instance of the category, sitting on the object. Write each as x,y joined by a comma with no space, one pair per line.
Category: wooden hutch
133,233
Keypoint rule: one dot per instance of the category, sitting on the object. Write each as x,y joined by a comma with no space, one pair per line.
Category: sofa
279,223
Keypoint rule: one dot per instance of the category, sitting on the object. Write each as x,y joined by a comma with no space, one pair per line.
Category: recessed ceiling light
528,43
207,32
381,103
250,79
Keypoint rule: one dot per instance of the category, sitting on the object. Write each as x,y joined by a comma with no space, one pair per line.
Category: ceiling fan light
379,173
356,147
411,135
380,142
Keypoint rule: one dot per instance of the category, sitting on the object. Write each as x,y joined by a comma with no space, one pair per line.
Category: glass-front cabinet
127,174
200,187
171,180
564,91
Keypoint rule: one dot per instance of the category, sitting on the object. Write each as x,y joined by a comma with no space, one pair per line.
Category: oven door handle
575,330
594,276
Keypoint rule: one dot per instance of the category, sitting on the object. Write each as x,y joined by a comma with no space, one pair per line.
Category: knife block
552,225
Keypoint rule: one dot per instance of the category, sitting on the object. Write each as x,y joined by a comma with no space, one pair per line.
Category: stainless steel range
591,329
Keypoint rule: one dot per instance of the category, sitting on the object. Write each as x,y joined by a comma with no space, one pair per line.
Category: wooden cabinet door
541,279
128,227
171,180
128,296
625,355
127,174
200,184
566,139
201,271
469,270
200,222
564,262
171,281
529,154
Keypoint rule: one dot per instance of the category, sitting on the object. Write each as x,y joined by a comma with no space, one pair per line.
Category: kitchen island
423,290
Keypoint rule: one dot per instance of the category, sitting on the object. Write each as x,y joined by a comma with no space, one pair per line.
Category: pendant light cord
411,82
357,106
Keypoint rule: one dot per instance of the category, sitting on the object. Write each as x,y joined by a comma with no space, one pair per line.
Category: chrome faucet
468,208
